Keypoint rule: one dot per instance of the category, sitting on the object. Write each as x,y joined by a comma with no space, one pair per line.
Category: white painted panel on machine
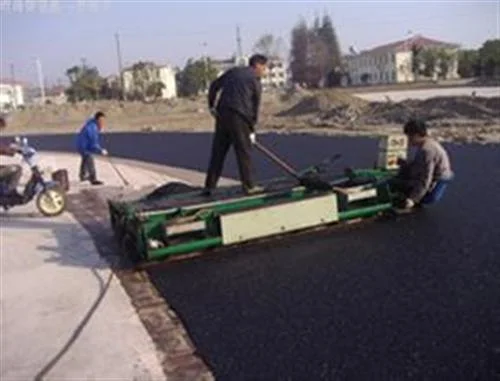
393,142
267,221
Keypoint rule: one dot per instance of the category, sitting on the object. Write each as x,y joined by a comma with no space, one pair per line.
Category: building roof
406,45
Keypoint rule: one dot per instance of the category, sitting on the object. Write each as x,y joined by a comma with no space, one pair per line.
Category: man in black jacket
236,115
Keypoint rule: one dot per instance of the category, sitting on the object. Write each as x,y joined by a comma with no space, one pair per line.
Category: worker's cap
415,126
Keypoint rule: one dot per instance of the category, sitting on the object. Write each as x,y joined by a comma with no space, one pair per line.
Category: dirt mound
434,109
323,102
344,110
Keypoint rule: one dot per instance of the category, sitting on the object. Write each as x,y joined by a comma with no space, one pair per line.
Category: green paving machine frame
176,223
187,222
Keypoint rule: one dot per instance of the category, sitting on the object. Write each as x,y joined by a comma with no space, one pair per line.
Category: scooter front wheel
51,202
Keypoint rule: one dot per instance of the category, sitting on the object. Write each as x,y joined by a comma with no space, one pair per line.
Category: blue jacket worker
88,144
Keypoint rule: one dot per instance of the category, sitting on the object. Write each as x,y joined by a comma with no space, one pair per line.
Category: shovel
310,181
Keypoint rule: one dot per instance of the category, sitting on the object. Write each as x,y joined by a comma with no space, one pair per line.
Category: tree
196,76
429,60
299,52
416,60
468,64
143,75
444,61
489,58
315,53
269,45
155,90
318,60
328,35
85,83
111,90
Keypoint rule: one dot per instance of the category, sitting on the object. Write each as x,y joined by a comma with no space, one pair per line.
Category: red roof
406,45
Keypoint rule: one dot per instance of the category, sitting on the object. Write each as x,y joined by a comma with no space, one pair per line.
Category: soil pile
344,110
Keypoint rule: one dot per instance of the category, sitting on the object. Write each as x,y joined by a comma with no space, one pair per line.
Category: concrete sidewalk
64,315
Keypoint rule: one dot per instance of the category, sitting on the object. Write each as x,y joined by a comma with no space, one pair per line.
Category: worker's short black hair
99,114
415,127
257,59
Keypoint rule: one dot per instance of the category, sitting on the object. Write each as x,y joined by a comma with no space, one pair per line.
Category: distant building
392,63
55,95
150,74
224,65
11,95
277,75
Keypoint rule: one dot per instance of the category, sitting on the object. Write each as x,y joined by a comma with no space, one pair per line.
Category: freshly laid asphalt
410,298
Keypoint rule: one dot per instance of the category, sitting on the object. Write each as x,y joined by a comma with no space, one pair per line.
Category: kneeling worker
236,116
431,164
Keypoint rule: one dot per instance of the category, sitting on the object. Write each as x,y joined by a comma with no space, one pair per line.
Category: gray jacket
431,163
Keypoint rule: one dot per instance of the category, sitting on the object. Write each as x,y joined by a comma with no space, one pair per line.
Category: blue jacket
87,140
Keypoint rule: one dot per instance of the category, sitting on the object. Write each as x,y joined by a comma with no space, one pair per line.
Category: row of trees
429,62
482,62
315,55
86,83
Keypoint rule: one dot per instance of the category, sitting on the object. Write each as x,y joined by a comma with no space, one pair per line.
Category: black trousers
402,182
231,129
10,174
87,167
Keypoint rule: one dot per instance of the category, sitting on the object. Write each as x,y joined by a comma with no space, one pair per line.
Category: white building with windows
277,74
11,95
392,63
150,74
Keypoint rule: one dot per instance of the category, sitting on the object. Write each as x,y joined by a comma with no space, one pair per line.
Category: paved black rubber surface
413,298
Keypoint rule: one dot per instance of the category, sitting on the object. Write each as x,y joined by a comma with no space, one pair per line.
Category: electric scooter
50,197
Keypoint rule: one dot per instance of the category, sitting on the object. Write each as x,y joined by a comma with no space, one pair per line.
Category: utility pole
120,67
205,68
40,80
238,43
13,79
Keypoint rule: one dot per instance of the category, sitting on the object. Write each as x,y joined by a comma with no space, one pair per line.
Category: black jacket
240,91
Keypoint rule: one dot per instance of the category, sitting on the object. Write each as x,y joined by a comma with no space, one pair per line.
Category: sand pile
325,102
341,110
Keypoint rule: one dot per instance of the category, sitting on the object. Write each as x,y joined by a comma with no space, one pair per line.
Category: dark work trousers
87,167
402,182
230,129
10,175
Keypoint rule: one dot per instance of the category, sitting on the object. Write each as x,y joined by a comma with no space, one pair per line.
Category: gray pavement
64,315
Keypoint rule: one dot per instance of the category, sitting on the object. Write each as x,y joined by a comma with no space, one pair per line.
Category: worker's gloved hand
104,152
253,138
401,162
409,203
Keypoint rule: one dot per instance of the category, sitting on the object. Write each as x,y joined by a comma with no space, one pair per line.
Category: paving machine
177,219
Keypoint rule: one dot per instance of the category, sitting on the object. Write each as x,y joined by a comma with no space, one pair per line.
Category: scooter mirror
25,141
17,139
